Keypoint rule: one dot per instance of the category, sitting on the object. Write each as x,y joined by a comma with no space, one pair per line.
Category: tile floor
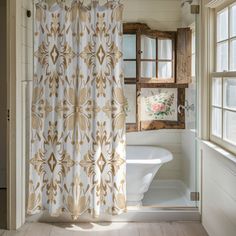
110,229
167,197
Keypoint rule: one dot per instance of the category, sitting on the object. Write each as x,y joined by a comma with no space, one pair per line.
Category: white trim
217,3
214,3
224,144
15,163
222,75
206,66
137,214
221,151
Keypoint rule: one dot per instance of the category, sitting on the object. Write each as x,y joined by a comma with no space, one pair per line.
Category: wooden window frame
221,141
158,35
164,124
139,29
134,28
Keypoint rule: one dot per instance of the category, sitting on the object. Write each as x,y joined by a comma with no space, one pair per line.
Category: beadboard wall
218,191
169,139
158,14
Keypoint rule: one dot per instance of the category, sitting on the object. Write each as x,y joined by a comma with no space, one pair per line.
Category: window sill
226,154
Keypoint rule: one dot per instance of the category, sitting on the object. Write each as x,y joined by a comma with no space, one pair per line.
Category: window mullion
229,61
157,58
222,108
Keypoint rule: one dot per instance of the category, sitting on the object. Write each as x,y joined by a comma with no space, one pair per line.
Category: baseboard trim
133,215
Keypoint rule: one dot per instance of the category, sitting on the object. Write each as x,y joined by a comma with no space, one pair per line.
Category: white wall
3,96
218,192
158,14
189,168
169,139
186,17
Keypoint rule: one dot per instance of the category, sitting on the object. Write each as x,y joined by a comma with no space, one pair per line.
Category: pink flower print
157,107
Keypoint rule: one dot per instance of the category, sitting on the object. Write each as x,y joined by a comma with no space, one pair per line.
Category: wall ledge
227,155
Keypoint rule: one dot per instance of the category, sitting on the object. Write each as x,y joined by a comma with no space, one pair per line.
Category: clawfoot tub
143,162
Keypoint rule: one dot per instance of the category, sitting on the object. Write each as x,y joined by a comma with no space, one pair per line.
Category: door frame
15,159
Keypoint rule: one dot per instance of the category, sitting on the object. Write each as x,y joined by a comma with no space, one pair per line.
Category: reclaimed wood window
152,88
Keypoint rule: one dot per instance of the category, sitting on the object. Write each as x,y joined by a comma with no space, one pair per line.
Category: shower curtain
77,162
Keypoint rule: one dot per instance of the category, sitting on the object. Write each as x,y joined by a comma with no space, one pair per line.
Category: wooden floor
110,229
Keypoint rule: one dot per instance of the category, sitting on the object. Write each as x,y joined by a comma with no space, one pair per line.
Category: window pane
130,108
129,46
230,126
216,121
233,21
233,54
130,69
164,70
217,92
148,47
193,42
148,69
230,93
222,25
222,56
164,49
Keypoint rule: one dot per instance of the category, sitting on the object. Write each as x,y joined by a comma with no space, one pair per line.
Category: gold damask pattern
78,119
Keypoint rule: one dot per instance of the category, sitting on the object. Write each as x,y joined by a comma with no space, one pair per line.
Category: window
157,57
223,80
130,56
153,90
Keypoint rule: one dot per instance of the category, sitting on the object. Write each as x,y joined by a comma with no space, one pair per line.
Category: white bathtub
143,162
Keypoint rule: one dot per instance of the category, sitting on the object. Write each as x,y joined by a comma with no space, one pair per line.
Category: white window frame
223,75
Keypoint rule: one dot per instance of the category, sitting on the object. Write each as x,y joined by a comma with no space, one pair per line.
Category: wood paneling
218,192
169,139
183,56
